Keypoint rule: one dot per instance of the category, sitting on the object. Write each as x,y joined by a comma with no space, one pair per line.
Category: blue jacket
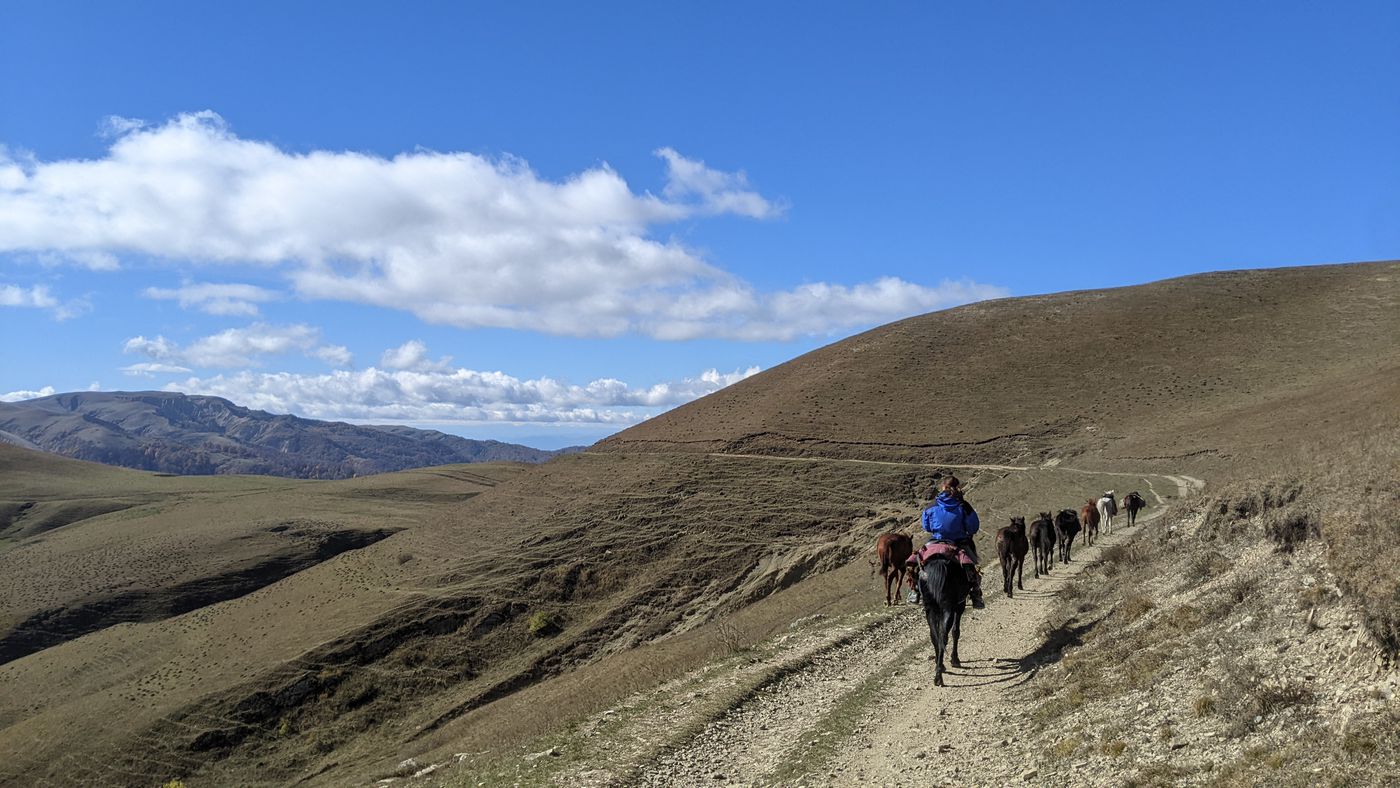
949,519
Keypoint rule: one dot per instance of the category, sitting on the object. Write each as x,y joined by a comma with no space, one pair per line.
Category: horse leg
1006,571
1021,573
889,575
937,635
955,629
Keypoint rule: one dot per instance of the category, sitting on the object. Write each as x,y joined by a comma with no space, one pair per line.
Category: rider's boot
974,579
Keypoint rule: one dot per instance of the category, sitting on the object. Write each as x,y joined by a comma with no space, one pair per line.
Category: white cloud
148,369
454,238
335,355
236,347
16,396
37,296
716,191
215,299
458,395
413,355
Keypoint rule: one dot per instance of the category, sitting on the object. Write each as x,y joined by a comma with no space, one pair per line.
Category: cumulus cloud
455,395
454,238
22,394
215,299
234,348
413,355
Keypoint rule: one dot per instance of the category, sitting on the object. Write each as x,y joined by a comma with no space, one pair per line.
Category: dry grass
1349,496
441,643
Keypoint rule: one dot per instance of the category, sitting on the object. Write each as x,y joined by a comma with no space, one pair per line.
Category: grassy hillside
1207,370
568,584
85,546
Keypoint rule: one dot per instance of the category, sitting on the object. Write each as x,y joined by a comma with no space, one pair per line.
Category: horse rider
952,519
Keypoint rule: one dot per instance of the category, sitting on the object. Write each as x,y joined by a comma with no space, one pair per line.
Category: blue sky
601,210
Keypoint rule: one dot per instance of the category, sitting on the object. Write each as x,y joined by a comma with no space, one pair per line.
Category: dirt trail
863,711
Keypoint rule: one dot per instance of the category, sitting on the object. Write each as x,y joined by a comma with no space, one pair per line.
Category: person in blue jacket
952,519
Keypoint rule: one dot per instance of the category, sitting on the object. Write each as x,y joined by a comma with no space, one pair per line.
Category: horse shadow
986,671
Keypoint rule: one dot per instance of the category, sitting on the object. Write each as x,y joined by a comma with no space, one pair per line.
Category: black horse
943,589
1043,543
1132,503
1066,526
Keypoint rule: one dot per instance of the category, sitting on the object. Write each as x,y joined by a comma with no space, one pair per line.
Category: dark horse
1011,549
1066,526
1043,543
1132,502
943,588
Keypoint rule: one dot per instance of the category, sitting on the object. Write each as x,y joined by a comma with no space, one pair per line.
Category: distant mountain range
184,434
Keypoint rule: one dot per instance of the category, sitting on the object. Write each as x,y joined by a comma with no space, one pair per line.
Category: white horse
1107,508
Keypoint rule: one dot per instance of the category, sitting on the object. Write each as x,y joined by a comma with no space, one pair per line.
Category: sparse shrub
1183,620
1243,589
1204,705
1203,564
1156,774
1124,558
1275,696
173,784
1114,748
1289,526
1142,668
284,727
730,636
1055,708
1063,748
1136,607
542,624
1312,596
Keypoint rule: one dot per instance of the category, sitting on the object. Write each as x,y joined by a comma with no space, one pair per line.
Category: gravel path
902,730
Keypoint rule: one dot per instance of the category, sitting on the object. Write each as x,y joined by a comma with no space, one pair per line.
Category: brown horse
893,550
1132,502
1011,549
1042,543
1089,516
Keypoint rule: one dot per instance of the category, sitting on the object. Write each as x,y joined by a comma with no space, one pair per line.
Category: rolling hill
568,585
179,433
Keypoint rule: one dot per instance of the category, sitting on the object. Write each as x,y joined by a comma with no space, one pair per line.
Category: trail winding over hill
861,710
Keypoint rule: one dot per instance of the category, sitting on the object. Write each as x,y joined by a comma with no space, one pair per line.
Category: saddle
940,549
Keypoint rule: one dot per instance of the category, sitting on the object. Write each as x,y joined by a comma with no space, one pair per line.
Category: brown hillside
554,591
1222,365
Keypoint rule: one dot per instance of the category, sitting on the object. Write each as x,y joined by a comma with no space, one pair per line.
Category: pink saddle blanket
940,548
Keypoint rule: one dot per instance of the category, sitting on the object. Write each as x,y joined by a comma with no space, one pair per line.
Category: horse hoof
957,663
937,681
